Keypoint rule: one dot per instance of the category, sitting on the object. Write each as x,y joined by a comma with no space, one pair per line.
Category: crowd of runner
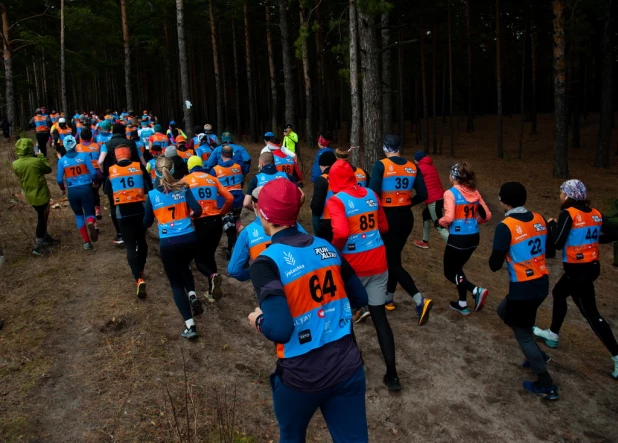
311,289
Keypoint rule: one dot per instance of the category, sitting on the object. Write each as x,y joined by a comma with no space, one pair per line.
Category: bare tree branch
29,18
394,45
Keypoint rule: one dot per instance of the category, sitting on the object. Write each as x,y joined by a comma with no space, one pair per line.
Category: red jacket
342,178
435,191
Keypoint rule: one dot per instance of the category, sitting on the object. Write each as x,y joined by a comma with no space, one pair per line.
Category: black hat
327,158
288,126
392,143
513,194
119,128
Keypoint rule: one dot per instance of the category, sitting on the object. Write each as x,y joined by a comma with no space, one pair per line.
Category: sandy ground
81,359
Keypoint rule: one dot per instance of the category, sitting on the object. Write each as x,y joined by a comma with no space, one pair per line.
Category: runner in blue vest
268,171
171,204
306,292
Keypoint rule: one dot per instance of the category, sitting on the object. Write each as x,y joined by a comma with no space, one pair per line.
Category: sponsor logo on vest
304,336
519,229
289,259
325,253
255,232
302,320
321,313
176,197
596,219
351,204
539,227
409,170
372,203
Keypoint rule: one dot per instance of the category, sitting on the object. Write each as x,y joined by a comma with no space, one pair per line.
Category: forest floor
82,360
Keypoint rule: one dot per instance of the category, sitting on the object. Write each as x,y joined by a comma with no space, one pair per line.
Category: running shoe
48,240
479,299
392,383
615,373
92,232
141,288
118,240
550,338
547,358
196,305
390,304
96,226
215,287
189,333
550,393
88,246
228,253
462,310
97,212
421,244
423,311
37,250
360,314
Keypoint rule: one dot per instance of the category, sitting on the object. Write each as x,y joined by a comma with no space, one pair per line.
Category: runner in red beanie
280,202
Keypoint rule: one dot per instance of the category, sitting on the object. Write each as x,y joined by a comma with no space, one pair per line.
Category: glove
437,224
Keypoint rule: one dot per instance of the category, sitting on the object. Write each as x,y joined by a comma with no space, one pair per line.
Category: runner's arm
559,232
449,209
148,213
319,196
376,178
421,190
240,257
193,204
484,214
227,195
502,242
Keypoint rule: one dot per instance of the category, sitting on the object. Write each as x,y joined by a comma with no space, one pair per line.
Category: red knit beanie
280,202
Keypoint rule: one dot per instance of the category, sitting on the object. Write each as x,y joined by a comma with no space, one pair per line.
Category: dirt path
82,360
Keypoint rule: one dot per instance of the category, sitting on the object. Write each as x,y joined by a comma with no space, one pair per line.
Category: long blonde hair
163,167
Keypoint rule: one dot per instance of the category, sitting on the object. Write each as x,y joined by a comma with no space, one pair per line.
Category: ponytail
164,172
463,174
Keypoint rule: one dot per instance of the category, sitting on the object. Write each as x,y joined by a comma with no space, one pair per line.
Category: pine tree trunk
288,77
372,106
8,66
236,80
561,162
402,128
450,76
533,36
470,125
319,49
387,97
252,117
304,29
434,46
354,90
272,70
127,54
184,69
607,114
499,145
169,97
63,82
215,61
520,151
424,83
576,133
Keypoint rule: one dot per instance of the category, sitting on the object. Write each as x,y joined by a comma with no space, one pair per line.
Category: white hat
62,120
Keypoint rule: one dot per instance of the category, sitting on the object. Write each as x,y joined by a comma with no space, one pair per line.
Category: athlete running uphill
393,180
521,240
268,172
306,292
435,199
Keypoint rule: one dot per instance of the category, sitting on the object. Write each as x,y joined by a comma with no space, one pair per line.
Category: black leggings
209,232
454,261
42,212
385,337
41,139
400,224
95,194
176,260
112,210
134,236
582,292
229,224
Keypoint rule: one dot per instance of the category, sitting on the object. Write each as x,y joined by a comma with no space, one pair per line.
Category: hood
427,160
469,194
24,148
341,176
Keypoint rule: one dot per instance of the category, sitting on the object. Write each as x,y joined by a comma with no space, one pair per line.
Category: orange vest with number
127,183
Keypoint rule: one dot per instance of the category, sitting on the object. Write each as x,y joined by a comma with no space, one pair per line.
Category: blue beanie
419,155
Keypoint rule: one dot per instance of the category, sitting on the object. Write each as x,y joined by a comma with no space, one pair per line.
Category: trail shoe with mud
141,288
215,288
196,305
189,333
463,310
480,296
118,240
392,383
550,338
549,393
92,231
423,311
390,303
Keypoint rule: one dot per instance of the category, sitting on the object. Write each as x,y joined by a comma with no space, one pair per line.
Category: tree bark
63,80
8,65
217,69
533,55
272,70
470,125
354,90
576,99
499,144
184,69
304,31
236,79
434,49
127,54
387,97
372,104
252,126
607,114
520,151
450,75
319,49
169,97
424,83
561,162
288,77
402,128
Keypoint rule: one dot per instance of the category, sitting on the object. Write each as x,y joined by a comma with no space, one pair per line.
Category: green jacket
290,140
31,171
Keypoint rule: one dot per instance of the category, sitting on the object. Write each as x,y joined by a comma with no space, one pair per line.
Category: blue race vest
263,178
76,170
172,213
465,222
362,215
